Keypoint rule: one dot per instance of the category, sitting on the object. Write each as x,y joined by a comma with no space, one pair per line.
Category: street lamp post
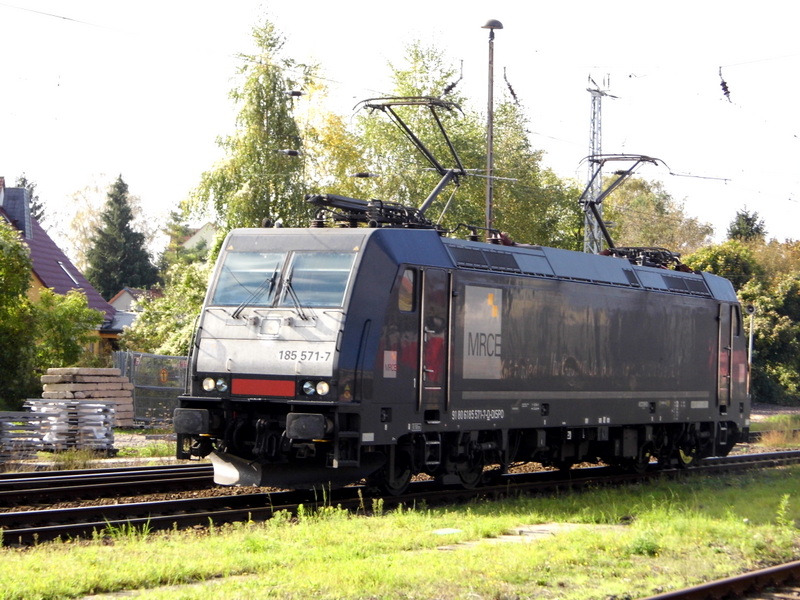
491,25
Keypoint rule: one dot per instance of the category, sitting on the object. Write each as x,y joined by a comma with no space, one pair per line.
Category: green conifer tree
117,257
747,227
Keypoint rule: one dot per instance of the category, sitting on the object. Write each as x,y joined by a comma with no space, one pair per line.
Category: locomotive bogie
389,352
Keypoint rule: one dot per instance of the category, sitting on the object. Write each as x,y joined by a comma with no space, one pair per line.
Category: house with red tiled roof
51,267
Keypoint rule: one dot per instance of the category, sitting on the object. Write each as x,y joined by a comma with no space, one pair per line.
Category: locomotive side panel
564,369
551,353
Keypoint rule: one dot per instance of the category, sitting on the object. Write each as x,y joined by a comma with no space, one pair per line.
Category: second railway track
48,486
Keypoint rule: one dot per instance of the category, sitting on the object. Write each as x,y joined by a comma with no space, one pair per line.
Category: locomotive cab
264,385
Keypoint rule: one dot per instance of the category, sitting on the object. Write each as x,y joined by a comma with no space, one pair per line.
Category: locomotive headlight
272,327
210,384
320,388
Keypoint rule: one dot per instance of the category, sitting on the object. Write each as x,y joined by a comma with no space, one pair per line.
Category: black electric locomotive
332,354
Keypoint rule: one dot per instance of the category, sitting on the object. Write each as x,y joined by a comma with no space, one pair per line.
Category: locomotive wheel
687,456
471,474
642,461
687,451
396,483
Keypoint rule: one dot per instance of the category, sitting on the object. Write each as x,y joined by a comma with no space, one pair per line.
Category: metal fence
157,382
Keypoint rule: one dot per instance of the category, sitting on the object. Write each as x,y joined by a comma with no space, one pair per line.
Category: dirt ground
137,440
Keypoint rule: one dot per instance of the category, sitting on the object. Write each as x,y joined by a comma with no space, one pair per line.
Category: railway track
49,486
774,583
28,527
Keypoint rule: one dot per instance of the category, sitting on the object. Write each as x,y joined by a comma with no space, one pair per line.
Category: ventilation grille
484,259
685,285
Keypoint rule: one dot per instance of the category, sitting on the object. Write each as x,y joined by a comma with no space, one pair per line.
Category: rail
29,527
35,488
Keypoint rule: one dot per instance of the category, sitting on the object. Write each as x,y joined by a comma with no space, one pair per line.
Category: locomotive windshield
317,278
248,278
266,279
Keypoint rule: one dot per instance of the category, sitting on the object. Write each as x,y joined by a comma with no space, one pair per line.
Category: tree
776,361
64,326
177,231
776,258
52,331
165,324
747,227
404,175
256,181
16,333
86,207
261,176
117,257
644,214
732,260
36,206
531,203
84,215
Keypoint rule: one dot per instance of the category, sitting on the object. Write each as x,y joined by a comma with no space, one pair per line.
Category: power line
759,60
53,15
708,177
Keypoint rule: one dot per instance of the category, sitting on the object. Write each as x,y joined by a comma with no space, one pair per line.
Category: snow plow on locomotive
331,354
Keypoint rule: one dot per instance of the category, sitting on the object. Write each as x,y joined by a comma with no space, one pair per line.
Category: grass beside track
779,431
626,542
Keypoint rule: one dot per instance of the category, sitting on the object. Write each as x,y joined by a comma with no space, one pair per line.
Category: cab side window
737,321
406,298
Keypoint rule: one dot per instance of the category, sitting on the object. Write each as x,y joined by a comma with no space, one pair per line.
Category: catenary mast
592,234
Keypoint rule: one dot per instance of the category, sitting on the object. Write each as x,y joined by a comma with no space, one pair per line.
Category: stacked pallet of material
69,424
93,386
20,437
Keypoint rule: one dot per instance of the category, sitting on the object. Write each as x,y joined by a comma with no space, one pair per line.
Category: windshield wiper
268,285
289,288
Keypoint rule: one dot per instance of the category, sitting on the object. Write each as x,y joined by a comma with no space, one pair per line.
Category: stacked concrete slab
92,386
20,437
71,424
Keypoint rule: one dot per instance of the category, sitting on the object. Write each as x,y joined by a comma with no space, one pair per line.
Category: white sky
96,88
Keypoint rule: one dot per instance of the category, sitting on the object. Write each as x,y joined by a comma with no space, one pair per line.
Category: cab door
435,344
725,354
